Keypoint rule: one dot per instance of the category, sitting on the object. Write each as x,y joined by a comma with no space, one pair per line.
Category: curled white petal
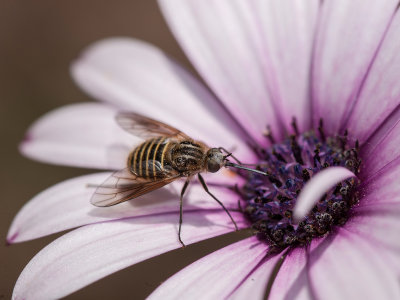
317,187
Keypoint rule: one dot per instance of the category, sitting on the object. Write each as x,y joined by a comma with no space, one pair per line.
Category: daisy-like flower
307,90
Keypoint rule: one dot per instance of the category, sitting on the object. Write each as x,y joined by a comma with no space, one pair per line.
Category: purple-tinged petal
82,135
381,92
348,38
137,76
67,205
382,186
92,252
382,149
292,279
255,285
347,266
316,188
286,31
218,274
379,223
222,40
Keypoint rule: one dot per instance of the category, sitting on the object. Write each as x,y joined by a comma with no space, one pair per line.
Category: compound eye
213,166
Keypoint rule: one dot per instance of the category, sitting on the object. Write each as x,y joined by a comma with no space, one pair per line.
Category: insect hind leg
203,183
180,210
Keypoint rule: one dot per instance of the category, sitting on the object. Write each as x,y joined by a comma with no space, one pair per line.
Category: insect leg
203,183
180,210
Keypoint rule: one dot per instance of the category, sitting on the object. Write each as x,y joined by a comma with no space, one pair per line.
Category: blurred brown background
38,40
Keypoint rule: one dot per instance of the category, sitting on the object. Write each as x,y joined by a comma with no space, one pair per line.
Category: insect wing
122,186
147,128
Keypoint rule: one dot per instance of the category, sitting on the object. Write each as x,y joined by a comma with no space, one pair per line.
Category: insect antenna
229,154
229,164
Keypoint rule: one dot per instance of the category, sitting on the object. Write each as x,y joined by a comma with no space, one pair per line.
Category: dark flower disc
290,164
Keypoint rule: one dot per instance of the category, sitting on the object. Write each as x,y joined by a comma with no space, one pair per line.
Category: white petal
139,77
349,267
222,40
82,135
95,251
255,285
379,223
348,37
292,279
381,92
67,205
217,275
286,32
382,150
382,186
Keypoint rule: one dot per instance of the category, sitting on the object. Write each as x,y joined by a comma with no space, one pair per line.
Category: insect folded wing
146,128
122,186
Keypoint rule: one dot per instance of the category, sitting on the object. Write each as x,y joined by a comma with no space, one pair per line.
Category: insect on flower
166,155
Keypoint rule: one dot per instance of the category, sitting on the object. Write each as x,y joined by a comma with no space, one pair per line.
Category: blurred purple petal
348,37
292,279
137,76
92,252
381,92
221,40
67,205
80,135
347,266
222,270
316,188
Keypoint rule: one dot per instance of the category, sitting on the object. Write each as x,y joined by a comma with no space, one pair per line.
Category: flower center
290,164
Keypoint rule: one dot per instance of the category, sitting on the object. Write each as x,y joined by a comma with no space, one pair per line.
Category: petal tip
298,215
26,140
11,238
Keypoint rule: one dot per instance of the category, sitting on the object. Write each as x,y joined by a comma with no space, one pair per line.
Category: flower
266,62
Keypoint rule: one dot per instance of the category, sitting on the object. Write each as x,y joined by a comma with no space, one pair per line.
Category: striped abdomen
149,159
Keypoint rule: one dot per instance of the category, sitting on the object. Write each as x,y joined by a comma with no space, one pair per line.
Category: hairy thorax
188,157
